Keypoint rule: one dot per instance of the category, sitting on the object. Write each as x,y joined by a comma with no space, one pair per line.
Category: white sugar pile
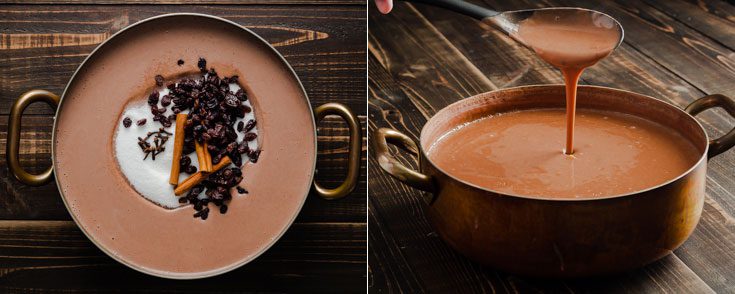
150,177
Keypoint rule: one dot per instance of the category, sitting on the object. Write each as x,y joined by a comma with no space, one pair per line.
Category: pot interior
172,243
553,96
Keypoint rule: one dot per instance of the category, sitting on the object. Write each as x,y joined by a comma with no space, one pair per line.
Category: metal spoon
509,21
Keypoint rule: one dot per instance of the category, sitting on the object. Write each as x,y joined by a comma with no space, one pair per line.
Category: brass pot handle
13,144
396,169
721,144
353,163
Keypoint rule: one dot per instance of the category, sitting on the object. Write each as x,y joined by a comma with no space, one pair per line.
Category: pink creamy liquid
570,41
518,153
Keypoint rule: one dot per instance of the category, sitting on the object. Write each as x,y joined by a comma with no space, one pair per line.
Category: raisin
196,190
159,80
236,159
191,169
254,155
240,126
241,95
153,98
243,147
250,136
231,147
223,209
127,122
141,121
165,122
185,161
250,125
166,100
241,190
202,64
231,101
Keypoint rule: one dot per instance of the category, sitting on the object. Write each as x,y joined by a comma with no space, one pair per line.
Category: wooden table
423,58
41,45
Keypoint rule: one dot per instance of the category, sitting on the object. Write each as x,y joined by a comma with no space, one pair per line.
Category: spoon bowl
510,21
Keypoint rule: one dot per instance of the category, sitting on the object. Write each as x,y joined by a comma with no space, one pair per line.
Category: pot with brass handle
560,237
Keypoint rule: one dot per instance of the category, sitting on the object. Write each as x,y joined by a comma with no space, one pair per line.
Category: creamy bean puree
570,40
520,153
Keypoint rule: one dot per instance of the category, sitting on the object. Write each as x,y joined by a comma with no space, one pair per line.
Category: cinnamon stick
178,148
198,177
205,160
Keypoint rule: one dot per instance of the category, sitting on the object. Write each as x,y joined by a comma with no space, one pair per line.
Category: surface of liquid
570,40
170,241
520,153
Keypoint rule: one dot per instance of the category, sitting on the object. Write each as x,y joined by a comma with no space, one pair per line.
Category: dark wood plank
43,46
720,8
396,105
187,2
41,256
716,28
22,202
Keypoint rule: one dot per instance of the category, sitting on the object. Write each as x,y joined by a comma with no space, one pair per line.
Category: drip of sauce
570,40
515,153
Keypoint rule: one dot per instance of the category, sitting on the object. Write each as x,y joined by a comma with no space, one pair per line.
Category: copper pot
560,237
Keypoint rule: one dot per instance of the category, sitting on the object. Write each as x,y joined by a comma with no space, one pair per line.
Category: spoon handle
462,7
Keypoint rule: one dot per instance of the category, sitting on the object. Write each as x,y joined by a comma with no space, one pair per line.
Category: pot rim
196,275
703,156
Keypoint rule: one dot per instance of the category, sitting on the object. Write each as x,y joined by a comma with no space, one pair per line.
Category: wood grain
719,8
324,44
407,256
40,256
716,28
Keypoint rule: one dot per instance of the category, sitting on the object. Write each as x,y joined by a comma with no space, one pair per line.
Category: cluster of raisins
214,109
